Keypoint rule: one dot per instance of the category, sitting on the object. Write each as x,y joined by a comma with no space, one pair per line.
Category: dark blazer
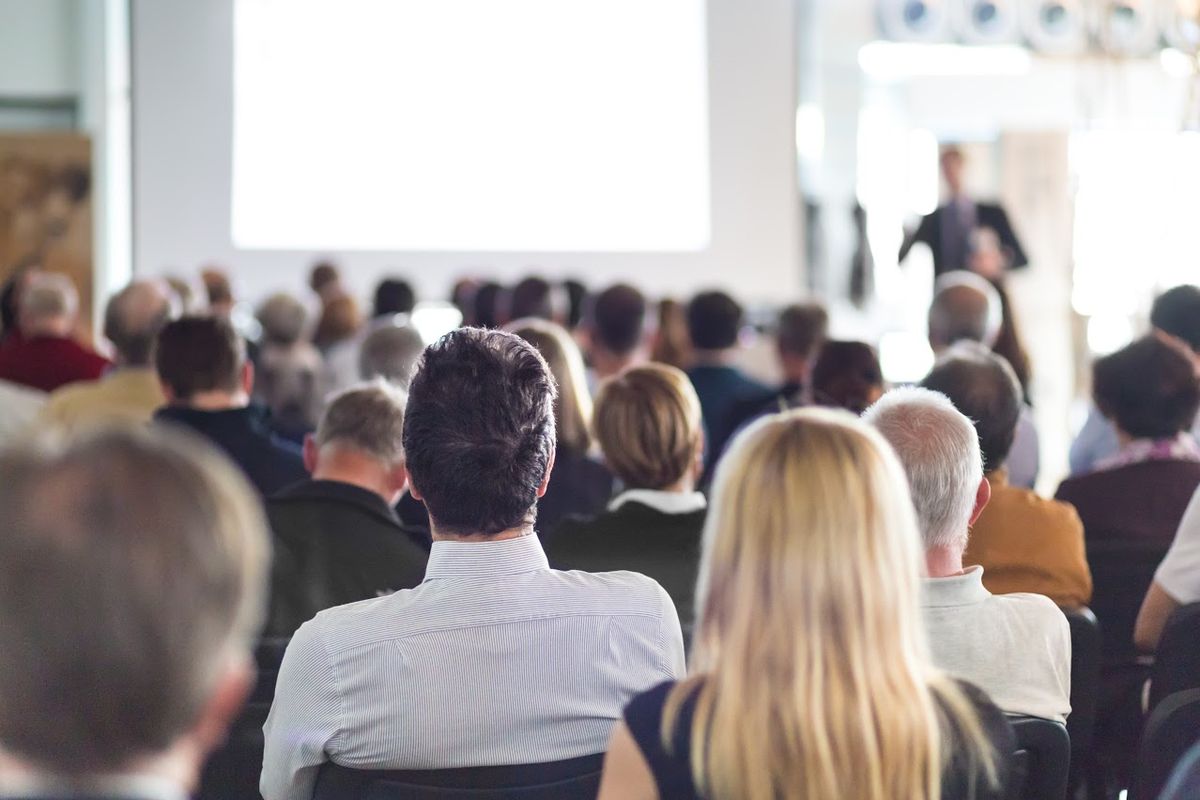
246,437
725,393
987,215
335,543
578,485
1142,501
639,538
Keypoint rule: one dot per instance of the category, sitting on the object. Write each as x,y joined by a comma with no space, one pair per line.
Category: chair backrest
1122,570
556,780
1085,685
1177,661
1171,730
1184,783
1042,759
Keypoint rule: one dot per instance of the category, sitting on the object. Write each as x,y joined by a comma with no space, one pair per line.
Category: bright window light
471,125
891,61
1107,333
810,132
904,357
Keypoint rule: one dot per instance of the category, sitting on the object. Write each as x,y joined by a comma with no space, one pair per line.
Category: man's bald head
965,307
133,319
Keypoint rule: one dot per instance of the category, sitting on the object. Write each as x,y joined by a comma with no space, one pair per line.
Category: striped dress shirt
493,659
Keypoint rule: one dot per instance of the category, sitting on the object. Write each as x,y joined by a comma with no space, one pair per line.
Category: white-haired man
1016,647
46,356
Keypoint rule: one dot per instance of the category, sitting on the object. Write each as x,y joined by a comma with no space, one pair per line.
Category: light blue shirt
493,659
1097,440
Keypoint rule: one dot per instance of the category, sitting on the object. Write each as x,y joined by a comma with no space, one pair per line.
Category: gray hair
939,449
282,318
48,295
391,353
133,564
965,306
368,418
133,318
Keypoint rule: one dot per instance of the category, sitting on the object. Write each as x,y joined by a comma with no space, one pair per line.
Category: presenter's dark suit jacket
335,543
987,215
639,538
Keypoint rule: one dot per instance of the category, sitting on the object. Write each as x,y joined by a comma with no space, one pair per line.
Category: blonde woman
811,676
578,483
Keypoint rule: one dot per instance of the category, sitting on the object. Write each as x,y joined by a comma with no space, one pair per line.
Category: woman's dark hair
1009,345
1149,389
714,320
847,375
1176,312
479,430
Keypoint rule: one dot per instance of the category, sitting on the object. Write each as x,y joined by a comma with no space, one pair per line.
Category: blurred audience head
533,297
846,375
616,327
218,290
132,573
340,320
288,381
184,295
670,343
10,299
939,449
965,306
462,297
485,305
576,301
133,318
390,352
479,432
360,440
282,318
326,280
647,421
714,320
199,357
1148,389
1176,314
393,296
49,305
801,332
984,388
573,405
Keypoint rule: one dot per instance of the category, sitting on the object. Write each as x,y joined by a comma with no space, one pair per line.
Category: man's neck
943,562
511,533
355,469
713,358
606,364
217,401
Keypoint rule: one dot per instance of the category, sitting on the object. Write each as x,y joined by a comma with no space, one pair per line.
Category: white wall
182,68
39,48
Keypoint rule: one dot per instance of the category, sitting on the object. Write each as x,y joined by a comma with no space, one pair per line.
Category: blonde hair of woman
811,671
573,406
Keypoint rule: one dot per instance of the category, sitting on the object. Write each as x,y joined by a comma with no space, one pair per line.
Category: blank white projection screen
471,125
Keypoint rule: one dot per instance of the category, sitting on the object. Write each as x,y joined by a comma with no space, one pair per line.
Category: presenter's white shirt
1015,647
1179,572
493,659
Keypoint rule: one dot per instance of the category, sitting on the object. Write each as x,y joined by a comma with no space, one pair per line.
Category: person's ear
224,703
541,490
311,453
248,377
982,495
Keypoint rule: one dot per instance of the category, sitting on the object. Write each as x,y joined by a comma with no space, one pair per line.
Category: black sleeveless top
673,771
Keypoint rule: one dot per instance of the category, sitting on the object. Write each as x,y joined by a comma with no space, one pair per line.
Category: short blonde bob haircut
811,671
647,421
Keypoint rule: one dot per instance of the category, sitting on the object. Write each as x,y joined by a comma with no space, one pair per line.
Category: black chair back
1177,661
1121,573
1171,730
1085,687
557,780
1042,759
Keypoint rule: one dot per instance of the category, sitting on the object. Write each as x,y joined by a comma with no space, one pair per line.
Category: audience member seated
325,279
288,376
647,421
218,291
1175,317
802,330
670,343
615,324
1176,581
1023,542
393,296
130,392
847,375
343,362
494,659
714,321
337,539
811,676
968,308
339,323
579,484
46,356
1016,647
10,301
132,567
1150,392
535,298
576,298
207,380
390,352
485,305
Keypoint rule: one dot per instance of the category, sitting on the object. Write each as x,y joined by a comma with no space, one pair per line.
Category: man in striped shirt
494,659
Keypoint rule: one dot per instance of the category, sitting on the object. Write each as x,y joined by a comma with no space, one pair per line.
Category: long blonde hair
811,667
573,406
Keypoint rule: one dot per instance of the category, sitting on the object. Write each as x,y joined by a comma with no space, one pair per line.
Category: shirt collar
956,590
663,502
452,560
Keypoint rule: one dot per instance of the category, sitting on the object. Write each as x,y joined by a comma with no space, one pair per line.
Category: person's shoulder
619,592
1057,513
1030,610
